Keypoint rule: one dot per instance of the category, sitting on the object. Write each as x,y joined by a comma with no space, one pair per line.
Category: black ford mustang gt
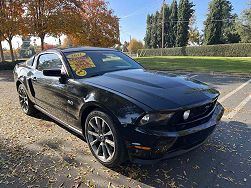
123,111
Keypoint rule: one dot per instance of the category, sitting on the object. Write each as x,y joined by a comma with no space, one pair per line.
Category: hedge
222,50
9,65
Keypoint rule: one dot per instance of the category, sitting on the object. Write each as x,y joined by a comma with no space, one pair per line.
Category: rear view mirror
52,72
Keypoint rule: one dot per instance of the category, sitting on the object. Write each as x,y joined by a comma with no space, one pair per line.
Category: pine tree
159,16
148,31
154,30
220,24
167,28
185,12
173,23
213,25
230,34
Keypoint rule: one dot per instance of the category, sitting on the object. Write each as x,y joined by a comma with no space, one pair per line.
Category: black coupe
122,110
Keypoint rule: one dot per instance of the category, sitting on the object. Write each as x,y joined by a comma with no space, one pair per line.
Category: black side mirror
56,73
52,72
63,78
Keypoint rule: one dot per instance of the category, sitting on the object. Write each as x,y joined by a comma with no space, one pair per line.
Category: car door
50,94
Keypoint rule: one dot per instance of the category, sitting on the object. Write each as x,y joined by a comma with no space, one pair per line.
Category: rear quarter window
29,62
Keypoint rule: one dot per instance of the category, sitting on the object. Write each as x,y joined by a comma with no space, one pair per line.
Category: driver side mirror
56,73
52,72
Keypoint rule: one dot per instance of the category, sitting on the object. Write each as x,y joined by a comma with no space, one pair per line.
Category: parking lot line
238,108
193,76
234,91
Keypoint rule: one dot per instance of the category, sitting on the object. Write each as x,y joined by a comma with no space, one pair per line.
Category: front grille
195,113
198,115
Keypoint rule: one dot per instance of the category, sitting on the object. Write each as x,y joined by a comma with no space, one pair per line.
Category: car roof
77,49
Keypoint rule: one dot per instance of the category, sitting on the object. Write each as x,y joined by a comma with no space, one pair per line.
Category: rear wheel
104,140
24,101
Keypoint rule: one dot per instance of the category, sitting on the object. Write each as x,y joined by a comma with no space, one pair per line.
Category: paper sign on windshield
79,62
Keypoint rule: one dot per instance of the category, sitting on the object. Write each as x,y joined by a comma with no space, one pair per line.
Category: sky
133,13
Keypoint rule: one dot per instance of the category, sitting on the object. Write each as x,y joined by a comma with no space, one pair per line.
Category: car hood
156,90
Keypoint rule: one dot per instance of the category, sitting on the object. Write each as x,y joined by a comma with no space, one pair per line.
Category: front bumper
146,146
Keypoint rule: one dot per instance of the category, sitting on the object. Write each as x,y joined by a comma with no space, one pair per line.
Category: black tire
119,154
25,103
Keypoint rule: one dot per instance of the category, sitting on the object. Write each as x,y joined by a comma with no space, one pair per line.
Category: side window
49,61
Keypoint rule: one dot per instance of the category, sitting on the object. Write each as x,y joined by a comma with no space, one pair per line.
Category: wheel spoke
105,154
94,142
93,133
103,126
98,150
111,143
97,123
93,126
108,133
108,149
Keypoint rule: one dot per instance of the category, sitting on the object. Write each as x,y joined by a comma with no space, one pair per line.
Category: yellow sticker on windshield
81,72
79,62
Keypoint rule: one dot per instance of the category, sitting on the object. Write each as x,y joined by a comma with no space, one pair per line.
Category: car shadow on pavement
223,161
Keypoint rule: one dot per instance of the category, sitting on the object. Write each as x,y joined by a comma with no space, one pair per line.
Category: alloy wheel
23,99
101,139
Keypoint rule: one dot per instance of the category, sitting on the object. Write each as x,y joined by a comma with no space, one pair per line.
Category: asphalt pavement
223,161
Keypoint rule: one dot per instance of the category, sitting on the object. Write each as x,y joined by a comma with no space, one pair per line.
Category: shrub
223,50
9,65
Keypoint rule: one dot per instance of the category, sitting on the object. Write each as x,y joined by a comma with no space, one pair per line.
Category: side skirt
78,131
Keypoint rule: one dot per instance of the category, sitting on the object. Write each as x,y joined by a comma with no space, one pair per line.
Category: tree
67,42
244,25
167,27
97,26
134,46
1,47
213,23
173,23
147,38
49,46
194,34
229,30
154,31
220,26
185,12
11,19
49,17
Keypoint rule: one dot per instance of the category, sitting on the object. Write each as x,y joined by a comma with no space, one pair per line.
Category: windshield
94,63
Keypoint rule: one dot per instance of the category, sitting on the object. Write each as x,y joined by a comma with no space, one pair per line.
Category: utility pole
163,26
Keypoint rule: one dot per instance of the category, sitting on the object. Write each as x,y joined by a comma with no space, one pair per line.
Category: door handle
34,78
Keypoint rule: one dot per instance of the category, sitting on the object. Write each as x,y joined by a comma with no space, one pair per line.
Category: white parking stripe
193,76
234,91
238,108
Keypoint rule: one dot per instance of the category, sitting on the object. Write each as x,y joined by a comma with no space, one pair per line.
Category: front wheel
104,140
24,101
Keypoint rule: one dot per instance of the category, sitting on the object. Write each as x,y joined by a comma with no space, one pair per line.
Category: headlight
159,118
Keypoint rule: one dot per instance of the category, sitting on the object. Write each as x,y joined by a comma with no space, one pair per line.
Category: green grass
198,64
